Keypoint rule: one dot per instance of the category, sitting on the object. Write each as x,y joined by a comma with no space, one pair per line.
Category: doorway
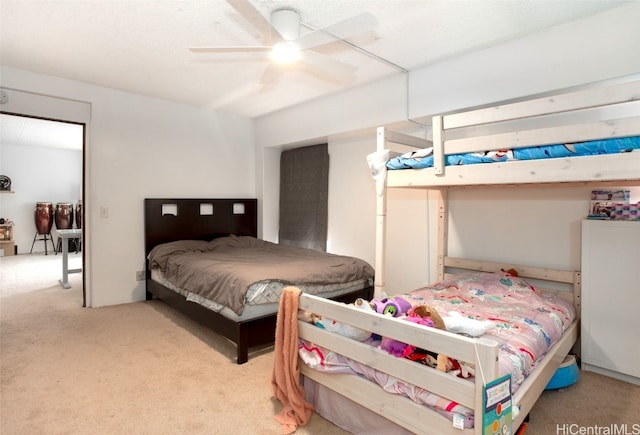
45,161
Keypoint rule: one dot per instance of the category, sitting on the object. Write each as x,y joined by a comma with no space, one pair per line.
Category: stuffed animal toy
344,329
456,322
394,307
457,368
511,271
308,316
427,312
399,349
421,315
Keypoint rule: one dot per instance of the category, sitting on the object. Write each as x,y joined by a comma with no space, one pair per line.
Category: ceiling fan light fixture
286,23
286,47
285,53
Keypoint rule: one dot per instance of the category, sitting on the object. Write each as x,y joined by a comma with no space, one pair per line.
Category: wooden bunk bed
535,122
179,219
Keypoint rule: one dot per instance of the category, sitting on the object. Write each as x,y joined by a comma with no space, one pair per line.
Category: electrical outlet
140,276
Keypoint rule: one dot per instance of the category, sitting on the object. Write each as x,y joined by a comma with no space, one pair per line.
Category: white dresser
611,298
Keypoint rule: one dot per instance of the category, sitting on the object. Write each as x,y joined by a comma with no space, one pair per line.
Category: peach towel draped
296,411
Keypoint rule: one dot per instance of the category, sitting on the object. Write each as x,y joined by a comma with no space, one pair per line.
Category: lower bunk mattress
525,323
242,277
423,158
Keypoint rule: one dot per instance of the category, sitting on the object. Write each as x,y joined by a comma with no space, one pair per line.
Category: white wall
574,54
506,223
345,210
593,49
140,147
38,174
375,104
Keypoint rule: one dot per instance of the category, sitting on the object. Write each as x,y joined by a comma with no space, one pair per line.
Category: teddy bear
426,315
427,312
454,322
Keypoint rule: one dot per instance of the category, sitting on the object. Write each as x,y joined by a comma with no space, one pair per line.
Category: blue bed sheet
424,158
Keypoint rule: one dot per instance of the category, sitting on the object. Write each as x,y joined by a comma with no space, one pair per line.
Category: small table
65,235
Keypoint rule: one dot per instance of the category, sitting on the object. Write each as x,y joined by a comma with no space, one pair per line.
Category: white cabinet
611,298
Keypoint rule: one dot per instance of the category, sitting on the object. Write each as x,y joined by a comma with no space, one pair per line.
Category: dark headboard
197,219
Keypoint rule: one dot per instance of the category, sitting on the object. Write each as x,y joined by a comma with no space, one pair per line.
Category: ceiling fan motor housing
287,23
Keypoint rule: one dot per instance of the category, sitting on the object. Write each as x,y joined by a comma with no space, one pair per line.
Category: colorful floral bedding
424,158
526,323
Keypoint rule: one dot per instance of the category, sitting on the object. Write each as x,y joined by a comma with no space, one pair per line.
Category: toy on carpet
567,374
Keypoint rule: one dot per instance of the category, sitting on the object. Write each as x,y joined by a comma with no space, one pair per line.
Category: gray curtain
304,189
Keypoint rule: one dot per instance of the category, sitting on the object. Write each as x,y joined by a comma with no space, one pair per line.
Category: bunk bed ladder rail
397,142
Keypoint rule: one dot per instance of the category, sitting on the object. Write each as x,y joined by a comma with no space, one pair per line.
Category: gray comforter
222,270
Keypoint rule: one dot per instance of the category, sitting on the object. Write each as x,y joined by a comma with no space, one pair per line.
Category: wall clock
5,182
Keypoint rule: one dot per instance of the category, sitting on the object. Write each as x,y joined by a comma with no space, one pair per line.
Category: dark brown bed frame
167,220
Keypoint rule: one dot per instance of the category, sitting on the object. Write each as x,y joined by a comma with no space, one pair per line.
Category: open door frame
83,182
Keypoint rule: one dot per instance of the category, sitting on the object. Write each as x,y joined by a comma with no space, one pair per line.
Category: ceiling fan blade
272,74
230,49
328,65
355,25
252,15
341,30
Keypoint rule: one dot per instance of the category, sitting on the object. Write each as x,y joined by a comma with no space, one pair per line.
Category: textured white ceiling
141,46
23,131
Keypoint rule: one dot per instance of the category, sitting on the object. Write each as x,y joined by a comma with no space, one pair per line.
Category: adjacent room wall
38,174
140,147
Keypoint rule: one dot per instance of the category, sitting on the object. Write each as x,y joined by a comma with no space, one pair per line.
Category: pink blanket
526,324
286,373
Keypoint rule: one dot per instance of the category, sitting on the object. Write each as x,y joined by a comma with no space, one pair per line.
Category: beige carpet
141,368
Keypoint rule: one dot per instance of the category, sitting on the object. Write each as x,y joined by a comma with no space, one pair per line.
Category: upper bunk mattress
423,158
224,269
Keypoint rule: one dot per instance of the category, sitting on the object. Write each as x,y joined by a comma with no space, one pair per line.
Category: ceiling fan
286,45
